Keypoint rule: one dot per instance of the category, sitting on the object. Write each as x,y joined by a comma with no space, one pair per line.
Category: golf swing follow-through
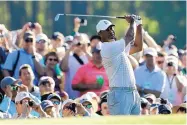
123,97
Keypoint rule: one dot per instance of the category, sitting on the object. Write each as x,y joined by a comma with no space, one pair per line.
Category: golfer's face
109,33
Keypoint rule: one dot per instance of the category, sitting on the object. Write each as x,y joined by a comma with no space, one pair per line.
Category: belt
123,88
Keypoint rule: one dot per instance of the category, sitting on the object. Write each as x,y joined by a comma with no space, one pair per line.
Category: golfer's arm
156,93
129,35
133,61
138,42
84,87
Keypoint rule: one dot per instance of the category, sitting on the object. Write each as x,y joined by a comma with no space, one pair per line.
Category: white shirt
117,65
73,66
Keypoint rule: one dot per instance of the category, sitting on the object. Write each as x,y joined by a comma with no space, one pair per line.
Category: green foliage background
160,18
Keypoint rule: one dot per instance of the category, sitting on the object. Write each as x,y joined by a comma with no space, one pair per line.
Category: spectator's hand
23,88
26,27
32,50
25,108
80,109
77,22
8,91
68,113
3,28
38,28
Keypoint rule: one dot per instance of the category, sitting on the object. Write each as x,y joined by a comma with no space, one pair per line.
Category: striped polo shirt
117,65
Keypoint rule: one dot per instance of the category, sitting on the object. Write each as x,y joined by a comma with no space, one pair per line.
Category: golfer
123,98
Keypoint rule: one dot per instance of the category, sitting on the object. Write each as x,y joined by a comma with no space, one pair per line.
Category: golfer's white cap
103,25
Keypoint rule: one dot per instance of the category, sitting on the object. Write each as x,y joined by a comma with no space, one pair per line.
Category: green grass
159,119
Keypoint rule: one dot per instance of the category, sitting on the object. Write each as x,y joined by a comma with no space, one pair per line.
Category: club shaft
100,16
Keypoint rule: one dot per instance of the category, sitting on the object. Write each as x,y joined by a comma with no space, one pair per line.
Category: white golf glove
137,19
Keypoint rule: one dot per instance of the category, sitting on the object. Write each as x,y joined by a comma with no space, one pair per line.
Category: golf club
81,15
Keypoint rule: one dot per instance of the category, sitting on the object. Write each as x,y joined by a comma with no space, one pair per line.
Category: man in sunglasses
25,55
56,100
46,87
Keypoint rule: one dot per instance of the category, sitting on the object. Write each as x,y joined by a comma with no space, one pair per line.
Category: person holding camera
24,106
72,109
25,55
153,79
174,82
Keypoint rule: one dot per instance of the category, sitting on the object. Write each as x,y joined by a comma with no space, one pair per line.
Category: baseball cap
172,52
150,51
68,38
41,37
22,95
164,109
88,98
58,35
151,96
66,102
103,25
46,79
54,96
7,81
46,103
28,34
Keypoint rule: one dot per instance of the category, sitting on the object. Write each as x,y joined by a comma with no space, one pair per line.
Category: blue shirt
8,106
154,80
24,58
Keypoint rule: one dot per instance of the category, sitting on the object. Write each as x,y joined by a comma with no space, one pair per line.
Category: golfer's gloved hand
137,19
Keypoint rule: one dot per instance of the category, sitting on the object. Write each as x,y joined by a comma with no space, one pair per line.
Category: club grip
120,17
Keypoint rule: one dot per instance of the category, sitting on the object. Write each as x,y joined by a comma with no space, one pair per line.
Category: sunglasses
44,83
56,102
78,44
29,40
89,106
55,60
14,88
160,62
41,41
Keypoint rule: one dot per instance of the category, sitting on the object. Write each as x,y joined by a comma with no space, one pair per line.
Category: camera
72,107
31,103
32,26
83,22
170,64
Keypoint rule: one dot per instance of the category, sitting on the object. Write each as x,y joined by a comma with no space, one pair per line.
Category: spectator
91,76
52,70
174,82
64,95
90,104
71,109
182,109
10,87
56,100
26,55
160,59
94,40
69,40
46,86
153,79
27,78
74,58
145,106
48,107
104,111
57,41
24,106
164,109
168,42
42,42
